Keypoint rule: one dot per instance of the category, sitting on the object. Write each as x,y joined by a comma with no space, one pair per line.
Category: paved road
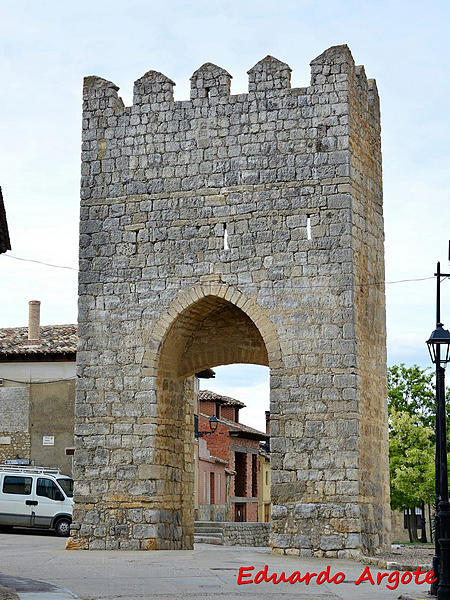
205,573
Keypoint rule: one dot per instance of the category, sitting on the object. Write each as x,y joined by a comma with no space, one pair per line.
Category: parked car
36,497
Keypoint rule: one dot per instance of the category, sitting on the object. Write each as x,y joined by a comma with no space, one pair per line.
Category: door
16,500
240,513
49,502
212,489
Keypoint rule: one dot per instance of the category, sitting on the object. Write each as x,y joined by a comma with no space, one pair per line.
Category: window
17,485
218,488
240,479
267,477
48,489
67,486
254,475
196,427
217,410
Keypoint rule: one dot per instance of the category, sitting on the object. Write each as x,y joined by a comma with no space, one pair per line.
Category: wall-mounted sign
5,440
16,461
48,440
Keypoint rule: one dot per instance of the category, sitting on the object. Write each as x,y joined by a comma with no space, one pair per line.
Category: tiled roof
55,340
5,244
241,430
208,396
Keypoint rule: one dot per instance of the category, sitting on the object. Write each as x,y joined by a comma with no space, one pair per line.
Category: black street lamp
439,348
213,422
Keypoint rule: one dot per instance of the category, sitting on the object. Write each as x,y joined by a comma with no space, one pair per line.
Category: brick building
238,446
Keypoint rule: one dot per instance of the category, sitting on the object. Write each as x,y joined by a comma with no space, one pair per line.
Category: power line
295,287
39,262
40,381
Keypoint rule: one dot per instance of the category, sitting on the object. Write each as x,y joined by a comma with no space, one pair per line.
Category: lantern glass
440,338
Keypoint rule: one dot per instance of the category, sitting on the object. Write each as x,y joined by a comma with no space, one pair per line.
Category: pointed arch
185,307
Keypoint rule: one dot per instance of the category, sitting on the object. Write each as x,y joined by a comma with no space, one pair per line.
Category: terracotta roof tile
208,396
55,340
240,428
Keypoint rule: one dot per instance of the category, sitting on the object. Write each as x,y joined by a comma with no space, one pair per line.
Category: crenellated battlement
269,77
153,87
269,74
214,139
210,81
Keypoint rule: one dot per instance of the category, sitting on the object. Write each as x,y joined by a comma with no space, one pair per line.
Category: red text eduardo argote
391,580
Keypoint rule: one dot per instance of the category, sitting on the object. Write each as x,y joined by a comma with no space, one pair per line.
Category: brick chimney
267,422
34,310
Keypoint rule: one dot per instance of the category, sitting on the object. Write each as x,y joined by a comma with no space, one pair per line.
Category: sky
49,46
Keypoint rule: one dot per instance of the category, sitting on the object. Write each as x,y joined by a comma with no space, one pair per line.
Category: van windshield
67,486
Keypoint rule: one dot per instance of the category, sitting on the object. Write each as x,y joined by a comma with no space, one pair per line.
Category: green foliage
411,457
412,412
411,390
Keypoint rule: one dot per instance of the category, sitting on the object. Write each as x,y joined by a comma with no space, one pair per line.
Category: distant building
230,462
264,498
37,393
5,243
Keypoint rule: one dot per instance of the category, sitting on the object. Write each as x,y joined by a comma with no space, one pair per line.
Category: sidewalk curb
58,594
389,565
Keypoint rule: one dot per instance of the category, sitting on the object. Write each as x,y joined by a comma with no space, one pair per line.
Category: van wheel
62,527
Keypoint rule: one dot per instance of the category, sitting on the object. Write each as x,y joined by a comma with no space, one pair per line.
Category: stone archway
209,332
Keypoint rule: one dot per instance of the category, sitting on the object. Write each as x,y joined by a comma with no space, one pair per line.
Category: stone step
204,530
208,539
206,524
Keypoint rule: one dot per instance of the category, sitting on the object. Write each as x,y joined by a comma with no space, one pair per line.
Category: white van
35,497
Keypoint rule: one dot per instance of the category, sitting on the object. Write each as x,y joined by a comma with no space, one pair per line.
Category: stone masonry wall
293,177
15,439
246,534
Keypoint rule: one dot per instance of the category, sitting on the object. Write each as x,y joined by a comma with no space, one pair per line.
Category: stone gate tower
233,229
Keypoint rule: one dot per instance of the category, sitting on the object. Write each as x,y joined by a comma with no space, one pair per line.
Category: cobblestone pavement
205,573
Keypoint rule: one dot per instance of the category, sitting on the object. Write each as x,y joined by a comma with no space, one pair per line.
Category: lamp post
439,349
213,422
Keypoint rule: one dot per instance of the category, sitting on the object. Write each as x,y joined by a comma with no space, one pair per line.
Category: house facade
237,472
37,391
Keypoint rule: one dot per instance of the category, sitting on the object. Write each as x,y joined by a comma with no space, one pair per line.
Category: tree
411,390
411,459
